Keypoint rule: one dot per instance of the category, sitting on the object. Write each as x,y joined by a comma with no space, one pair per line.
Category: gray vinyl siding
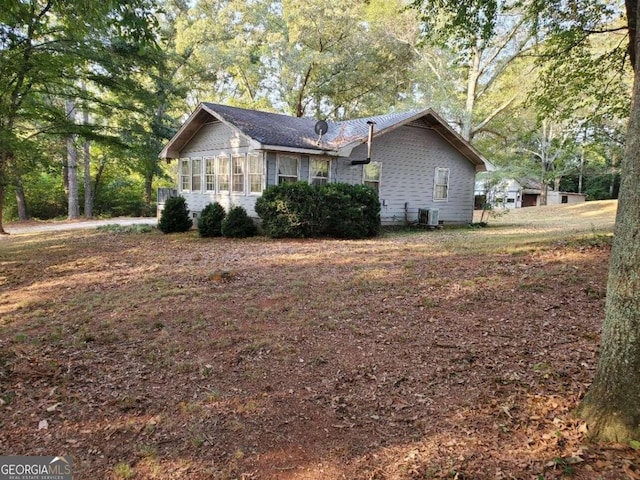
271,168
212,140
409,157
214,137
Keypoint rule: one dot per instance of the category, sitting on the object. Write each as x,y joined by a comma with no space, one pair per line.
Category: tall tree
611,407
71,166
314,58
86,161
481,60
45,45
550,145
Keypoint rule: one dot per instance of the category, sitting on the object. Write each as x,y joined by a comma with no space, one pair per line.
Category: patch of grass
197,440
147,451
186,367
20,337
122,471
214,396
206,370
428,302
7,397
135,228
191,409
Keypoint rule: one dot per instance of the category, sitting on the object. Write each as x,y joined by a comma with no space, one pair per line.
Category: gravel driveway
37,227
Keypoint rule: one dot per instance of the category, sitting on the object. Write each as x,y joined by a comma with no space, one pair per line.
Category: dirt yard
417,355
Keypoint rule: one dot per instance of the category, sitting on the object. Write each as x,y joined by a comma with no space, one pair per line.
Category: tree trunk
4,162
611,407
72,166
612,184
96,183
581,172
544,193
2,230
86,148
148,192
88,199
21,202
472,86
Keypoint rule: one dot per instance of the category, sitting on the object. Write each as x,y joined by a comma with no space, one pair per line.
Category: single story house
521,192
414,160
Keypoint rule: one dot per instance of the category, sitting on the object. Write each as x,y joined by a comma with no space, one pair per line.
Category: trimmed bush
349,211
337,210
237,224
289,210
175,216
210,220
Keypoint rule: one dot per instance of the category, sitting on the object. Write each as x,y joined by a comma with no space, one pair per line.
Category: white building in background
516,193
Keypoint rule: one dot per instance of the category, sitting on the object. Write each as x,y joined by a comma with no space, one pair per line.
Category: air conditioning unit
433,217
423,216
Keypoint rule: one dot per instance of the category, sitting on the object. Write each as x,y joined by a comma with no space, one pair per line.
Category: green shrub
289,210
237,224
349,211
337,210
175,216
210,220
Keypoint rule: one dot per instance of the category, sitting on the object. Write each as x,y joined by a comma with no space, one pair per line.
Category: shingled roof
273,131
285,131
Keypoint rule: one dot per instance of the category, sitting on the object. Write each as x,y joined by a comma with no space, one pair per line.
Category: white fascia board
167,152
304,151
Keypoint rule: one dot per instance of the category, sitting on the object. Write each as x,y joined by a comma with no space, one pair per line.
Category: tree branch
492,115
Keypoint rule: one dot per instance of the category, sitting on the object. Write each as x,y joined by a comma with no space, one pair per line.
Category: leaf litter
395,358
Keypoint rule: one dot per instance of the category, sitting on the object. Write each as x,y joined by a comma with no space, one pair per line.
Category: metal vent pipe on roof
369,147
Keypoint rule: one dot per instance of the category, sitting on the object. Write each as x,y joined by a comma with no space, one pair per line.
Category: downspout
369,147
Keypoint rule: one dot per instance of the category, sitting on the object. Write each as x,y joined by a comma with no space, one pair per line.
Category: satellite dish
321,127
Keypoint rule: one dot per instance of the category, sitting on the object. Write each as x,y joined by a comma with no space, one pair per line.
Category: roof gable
272,131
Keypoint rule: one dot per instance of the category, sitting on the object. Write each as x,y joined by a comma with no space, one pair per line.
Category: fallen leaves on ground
401,357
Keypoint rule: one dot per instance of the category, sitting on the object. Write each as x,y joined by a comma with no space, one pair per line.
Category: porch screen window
237,163
196,174
372,175
287,169
441,187
319,172
185,182
254,170
223,173
210,174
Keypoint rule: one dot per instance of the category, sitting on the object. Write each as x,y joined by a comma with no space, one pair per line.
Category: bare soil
420,354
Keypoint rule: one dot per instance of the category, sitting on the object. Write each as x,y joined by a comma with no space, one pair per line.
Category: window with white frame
223,173
254,171
237,168
185,177
371,178
288,167
196,174
441,184
210,174
318,171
